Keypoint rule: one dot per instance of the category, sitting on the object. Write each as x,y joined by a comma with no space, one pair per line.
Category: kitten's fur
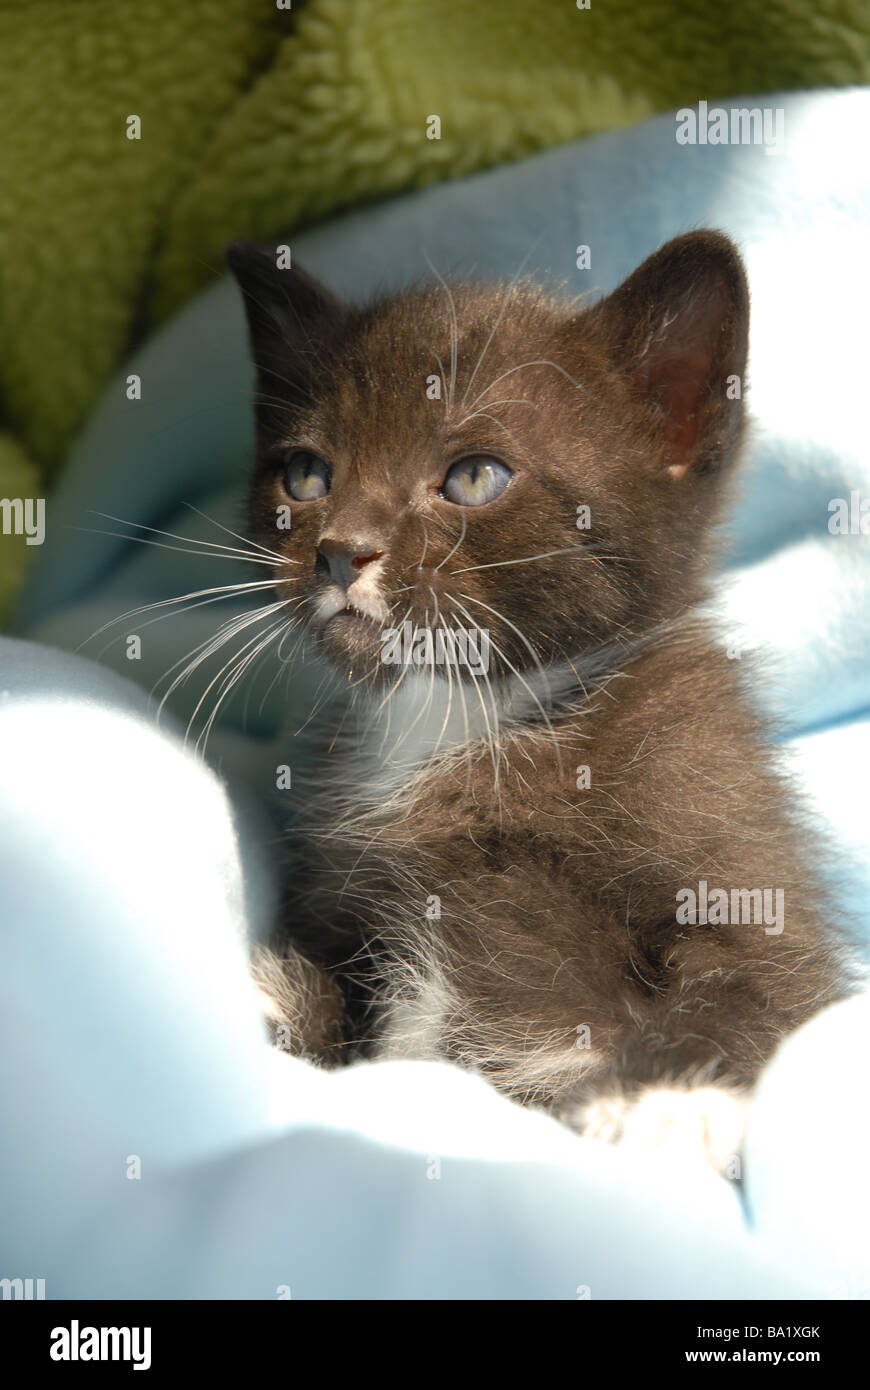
557,905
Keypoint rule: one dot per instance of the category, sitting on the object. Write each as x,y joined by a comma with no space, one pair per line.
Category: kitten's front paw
303,1008
704,1124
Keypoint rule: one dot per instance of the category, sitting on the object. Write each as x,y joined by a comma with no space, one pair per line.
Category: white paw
704,1124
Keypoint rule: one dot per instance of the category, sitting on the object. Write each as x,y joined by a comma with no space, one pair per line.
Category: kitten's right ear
283,306
678,330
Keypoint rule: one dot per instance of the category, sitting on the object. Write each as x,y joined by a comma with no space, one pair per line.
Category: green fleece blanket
255,118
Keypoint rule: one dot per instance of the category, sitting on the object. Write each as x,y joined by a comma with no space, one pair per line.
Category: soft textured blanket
154,1145
255,118
128,874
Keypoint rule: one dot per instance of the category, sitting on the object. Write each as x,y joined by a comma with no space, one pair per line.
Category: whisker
192,540
525,560
456,546
520,678
447,713
275,554
425,706
538,362
285,664
492,734
482,415
211,552
234,658
232,681
443,377
211,645
506,299
517,400
421,561
454,334
220,590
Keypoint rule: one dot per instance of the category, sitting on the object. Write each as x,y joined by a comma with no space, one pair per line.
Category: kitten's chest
590,807
519,810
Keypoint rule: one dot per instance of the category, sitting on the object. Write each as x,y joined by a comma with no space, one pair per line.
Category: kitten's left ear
679,328
285,309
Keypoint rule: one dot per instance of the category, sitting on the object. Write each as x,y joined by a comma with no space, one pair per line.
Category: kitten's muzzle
354,573
345,560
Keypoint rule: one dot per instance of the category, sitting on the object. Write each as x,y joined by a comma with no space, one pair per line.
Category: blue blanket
797,585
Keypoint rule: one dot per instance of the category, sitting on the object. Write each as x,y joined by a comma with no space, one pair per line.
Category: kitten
490,861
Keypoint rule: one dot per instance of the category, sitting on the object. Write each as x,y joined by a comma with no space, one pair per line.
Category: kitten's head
495,458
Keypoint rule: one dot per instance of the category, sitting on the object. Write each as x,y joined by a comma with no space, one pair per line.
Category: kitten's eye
474,481
306,476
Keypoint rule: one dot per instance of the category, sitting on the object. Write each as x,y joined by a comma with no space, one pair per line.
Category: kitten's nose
346,559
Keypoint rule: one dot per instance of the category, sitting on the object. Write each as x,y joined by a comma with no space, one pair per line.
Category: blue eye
306,476
476,480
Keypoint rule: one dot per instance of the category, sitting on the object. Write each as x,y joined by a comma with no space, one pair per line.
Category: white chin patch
363,594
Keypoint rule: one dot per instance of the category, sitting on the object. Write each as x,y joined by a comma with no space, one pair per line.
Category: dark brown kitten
490,864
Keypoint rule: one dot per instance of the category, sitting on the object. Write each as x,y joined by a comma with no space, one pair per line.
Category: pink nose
345,559
359,561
